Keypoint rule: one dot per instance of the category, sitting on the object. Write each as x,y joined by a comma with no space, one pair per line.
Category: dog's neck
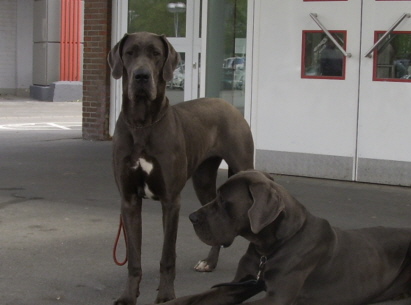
289,223
143,112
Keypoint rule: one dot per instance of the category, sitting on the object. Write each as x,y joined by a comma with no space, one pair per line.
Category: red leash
120,228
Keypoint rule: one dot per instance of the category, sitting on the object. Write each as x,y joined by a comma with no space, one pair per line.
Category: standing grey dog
297,258
157,147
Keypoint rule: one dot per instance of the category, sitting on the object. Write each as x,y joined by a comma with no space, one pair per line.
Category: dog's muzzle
204,232
200,226
194,218
141,84
142,76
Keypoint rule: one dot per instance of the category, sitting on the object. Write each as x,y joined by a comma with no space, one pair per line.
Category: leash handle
120,228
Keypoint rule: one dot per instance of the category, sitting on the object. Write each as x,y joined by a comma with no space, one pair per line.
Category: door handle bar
314,16
390,30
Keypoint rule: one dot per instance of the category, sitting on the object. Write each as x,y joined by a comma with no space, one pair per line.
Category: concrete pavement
59,211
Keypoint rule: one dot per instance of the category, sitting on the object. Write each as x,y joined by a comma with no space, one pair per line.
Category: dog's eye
156,53
129,53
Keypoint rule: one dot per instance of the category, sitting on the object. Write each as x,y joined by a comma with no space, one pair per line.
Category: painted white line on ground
59,126
42,126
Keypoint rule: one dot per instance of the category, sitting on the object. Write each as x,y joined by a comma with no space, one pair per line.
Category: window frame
303,56
375,58
330,0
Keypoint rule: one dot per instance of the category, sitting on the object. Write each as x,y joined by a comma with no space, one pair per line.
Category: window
226,51
392,60
323,0
161,17
320,56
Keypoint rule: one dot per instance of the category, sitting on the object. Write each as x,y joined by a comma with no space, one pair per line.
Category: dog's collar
136,127
247,283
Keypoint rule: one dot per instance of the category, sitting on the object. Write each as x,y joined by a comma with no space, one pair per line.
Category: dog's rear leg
131,216
204,182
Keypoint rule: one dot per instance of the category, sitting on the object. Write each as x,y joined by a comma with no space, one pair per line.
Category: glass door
179,21
226,50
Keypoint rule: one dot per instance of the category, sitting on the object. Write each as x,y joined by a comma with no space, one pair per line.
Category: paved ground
59,212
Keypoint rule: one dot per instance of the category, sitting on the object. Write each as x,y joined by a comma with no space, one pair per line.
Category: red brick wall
96,74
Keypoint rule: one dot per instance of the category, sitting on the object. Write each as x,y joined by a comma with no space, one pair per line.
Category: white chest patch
145,165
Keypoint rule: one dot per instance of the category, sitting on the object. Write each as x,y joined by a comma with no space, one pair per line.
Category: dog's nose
194,218
142,75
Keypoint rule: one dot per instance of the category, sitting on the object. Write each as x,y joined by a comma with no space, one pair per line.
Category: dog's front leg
131,216
168,258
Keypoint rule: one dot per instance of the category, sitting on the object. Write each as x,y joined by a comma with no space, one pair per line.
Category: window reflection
160,16
175,87
226,50
393,58
233,73
321,57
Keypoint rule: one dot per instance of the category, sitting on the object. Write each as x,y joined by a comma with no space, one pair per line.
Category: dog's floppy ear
114,58
267,205
172,60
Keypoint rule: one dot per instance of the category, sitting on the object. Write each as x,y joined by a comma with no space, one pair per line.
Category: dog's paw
165,295
203,266
160,300
124,301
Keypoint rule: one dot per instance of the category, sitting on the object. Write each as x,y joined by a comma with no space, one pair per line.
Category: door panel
306,125
384,138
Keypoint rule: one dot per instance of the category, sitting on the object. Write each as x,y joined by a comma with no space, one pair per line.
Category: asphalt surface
59,213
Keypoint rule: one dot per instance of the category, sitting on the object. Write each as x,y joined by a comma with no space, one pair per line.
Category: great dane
157,147
297,258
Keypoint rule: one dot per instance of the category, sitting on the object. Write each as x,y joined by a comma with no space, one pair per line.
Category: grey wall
16,47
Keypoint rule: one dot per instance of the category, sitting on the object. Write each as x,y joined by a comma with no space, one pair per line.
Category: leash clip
263,261
248,283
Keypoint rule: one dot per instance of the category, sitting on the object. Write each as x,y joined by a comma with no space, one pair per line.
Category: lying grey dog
157,147
296,257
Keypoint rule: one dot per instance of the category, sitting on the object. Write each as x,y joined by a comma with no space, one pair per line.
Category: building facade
324,84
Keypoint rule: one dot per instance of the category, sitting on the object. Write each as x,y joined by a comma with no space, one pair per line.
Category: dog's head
246,203
146,61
